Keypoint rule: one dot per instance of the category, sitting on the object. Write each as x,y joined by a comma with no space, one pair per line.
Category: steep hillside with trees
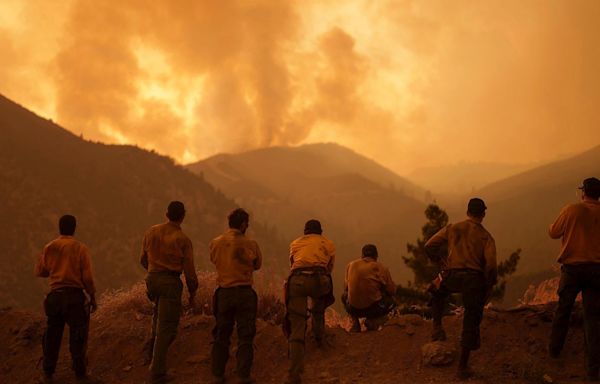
357,200
115,191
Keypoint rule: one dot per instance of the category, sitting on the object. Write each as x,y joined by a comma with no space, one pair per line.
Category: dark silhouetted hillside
522,207
357,200
115,191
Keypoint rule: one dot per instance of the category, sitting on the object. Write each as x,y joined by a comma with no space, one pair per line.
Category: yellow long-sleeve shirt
366,281
66,262
167,249
312,251
470,246
236,257
578,225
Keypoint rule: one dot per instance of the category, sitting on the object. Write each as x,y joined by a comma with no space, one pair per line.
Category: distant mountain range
118,191
464,178
360,201
357,200
115,191
522,207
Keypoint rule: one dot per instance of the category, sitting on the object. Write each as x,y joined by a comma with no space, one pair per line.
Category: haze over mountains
357,200
118,191
115,191
523,206
360,202
464,178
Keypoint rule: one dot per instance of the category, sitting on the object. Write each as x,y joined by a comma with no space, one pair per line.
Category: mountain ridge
116,192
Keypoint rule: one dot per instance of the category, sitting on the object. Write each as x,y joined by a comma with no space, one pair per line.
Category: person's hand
93,305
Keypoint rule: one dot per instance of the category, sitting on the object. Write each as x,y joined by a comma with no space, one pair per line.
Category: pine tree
423,268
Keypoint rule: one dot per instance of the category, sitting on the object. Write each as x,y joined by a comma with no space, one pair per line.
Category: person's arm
189,270
212,250
144,255
331,251
292,252
491,266
87,278
346,278
557,229
433,245
258,260
389,285
40,269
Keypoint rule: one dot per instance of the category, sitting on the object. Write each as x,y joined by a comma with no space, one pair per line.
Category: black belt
168,273
246,286
67,289
309,271
466,270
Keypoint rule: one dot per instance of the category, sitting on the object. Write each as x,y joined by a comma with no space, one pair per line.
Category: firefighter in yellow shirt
578,226
311,258
236,257
166,254
470,270
368,290
66,262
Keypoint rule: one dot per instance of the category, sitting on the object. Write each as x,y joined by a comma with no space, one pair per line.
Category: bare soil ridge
513,347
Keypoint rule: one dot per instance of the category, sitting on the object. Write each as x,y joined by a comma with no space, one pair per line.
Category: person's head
370,250
176,211
313,227
239,219
590,188
476,208
66,225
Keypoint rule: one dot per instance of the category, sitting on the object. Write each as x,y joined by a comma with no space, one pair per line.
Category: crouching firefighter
311,258
368,290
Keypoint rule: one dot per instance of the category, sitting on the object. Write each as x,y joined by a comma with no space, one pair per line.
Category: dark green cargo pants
300,288
235,305
584,278
66,306
164,290
472,287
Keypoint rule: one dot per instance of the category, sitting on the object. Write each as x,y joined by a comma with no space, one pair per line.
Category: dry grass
270,301
134,299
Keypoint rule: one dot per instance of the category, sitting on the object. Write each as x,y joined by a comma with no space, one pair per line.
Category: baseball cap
476,206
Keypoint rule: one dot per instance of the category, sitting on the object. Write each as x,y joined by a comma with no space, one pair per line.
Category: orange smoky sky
407,83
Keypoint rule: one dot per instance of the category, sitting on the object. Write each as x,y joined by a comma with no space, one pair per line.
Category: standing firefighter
578,225
166,253
369,290
311,257
66,262
470,270
236,257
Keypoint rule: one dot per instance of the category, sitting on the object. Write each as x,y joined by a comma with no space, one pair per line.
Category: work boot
293,380
162,379
375,323
553,353
46,378
593,377
438,333
148,350
355,325
464,373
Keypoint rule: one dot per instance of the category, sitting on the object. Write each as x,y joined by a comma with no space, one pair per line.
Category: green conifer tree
423,268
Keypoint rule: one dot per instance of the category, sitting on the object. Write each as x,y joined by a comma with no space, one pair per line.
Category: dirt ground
513,349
